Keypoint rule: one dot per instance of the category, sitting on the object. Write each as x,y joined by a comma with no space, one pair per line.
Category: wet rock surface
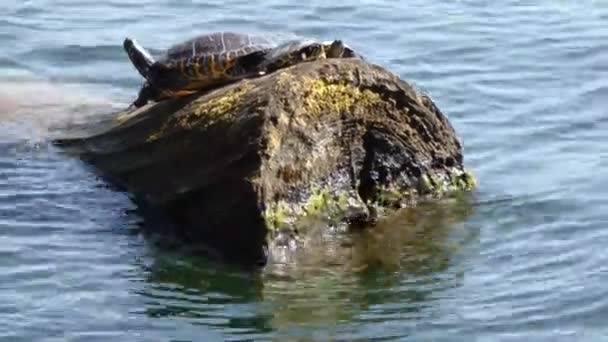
239,167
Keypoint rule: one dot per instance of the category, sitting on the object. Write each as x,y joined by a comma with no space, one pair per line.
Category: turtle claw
131,107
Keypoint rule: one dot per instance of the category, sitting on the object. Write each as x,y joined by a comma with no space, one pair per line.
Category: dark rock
338,139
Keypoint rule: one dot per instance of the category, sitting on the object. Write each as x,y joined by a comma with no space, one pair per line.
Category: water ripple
523,84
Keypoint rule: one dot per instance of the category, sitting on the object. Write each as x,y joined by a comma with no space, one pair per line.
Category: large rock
339,139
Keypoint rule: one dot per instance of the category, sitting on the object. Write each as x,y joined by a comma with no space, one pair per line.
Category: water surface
524,84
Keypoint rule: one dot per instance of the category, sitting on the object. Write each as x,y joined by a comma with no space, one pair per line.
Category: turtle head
140,57
337,49
293,53
334,49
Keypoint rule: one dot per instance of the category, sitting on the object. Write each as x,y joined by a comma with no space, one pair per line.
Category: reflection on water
202,292
397,267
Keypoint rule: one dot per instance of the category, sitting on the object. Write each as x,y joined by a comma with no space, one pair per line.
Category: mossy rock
338,139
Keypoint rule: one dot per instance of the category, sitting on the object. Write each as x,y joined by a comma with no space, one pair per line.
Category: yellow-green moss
331,204
223,105
391,196
335,97
321,203
317,202
206,113
470,182
276,215
425,184
461,180
456,180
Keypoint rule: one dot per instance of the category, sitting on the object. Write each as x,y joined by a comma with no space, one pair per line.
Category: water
524,84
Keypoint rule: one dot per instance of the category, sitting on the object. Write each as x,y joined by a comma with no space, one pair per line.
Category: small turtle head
337,49
293,53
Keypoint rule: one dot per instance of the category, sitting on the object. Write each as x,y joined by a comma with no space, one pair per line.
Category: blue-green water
525,84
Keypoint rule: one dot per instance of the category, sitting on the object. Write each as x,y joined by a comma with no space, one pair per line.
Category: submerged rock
339,139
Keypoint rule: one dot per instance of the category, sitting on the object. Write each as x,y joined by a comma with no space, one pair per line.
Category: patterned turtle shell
203,62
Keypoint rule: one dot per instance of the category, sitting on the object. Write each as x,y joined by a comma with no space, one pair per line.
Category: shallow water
524,85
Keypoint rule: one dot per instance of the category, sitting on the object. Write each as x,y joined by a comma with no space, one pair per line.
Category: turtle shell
200,63
217,43
209,60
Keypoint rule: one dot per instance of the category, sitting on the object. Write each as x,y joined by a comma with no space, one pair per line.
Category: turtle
215,59
206,61
296,51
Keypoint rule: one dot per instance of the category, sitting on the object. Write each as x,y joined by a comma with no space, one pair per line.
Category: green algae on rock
339,139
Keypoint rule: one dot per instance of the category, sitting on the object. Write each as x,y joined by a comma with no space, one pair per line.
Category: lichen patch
204,113
324,97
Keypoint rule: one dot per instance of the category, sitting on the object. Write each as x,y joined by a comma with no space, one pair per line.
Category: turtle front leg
146,93
149,93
